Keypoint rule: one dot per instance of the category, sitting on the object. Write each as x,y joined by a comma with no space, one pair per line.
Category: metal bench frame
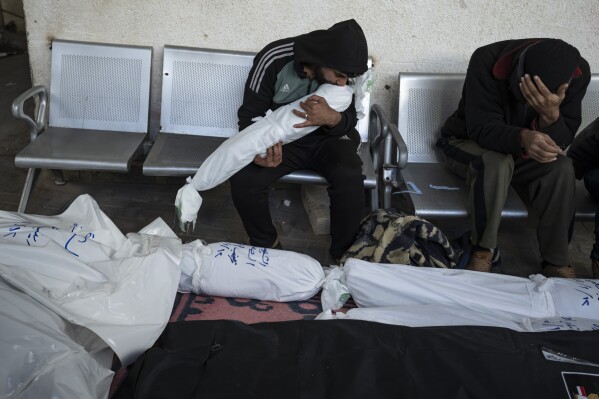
99,107
425,102
202,89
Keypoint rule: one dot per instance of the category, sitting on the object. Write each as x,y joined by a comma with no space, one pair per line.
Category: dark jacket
277,76
492,116
584,150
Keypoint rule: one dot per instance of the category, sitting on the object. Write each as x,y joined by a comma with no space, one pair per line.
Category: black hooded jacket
584,151
492,116
277,76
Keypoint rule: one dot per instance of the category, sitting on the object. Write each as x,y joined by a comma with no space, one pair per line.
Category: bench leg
30,180
389,181
387,197
374,199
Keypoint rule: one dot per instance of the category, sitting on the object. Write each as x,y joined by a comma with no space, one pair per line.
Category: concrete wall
403,35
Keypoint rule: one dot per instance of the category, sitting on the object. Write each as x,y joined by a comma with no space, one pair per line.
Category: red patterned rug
199,307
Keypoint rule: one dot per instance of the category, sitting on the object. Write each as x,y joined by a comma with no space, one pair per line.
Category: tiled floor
134,200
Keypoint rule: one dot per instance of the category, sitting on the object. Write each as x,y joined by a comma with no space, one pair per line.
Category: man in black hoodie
520,108
284,71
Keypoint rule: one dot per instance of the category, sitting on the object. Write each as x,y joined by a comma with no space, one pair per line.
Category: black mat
357,359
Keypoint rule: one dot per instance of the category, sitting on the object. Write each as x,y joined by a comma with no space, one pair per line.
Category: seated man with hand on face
520,108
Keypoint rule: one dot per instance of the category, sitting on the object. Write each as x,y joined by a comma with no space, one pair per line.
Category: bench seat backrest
100,86
425,102
427,99
590,103
202,89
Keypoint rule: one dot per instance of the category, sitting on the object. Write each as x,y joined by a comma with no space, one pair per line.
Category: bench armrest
35,127
402,148
377,131
381,131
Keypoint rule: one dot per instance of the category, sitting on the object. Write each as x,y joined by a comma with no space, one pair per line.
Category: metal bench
425,102
202,90
98,119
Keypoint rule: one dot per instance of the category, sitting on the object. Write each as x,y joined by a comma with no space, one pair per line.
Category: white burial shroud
240,150
421,296
243,271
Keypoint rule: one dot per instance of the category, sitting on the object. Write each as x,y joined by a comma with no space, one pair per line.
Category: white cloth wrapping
444,296
244,271
430,316
80,265
560,324
453,315
44,356
238,151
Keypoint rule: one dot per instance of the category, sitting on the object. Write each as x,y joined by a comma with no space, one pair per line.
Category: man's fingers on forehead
539,82
529,81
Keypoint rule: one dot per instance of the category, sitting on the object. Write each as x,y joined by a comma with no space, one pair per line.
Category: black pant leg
250,194
337,159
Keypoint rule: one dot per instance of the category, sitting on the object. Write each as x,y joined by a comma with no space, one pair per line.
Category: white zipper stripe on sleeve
265,61
266,66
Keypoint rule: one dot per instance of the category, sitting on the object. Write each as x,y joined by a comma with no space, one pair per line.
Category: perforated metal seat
99,102
100,150
425,102
202,90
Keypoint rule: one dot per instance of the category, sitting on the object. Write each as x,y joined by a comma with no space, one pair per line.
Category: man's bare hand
539,146
317,112
541,99
274,157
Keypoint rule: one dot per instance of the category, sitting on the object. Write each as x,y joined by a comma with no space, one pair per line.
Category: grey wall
403,35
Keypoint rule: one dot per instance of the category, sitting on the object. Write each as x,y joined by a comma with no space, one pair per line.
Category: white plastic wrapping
510,298
238,151
244,271
362,87
334,292
40,356
79,265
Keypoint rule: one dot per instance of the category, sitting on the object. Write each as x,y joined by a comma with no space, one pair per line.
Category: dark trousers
548,187
335,158
591,182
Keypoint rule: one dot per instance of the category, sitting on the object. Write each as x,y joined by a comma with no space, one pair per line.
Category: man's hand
317,112
539,146
542,100
274,157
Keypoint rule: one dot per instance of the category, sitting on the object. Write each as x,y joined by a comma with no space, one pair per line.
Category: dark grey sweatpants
548,187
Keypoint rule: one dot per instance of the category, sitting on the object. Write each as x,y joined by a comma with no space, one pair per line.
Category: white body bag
79,265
